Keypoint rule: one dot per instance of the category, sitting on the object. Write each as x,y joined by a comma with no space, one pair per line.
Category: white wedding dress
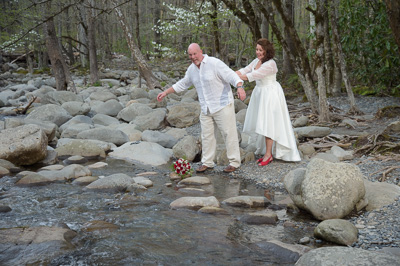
267,113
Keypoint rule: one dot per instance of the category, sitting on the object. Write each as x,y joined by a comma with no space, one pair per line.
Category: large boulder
143,152
59,97
312,131
337,231
104,134
83,147
188,147
379,194
331,190
48,127
151,121
76,108
133,110
50,112
163,139
184,114
111,108
23,145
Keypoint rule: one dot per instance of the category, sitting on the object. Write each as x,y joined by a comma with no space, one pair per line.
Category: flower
182,167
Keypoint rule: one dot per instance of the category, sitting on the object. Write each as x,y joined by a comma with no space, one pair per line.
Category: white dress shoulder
267,113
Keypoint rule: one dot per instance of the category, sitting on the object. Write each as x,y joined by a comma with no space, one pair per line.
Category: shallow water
149,232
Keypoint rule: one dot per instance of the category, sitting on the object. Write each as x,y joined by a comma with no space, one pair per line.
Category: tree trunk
288,68
137,31
82,35
93,66
215,28
342,61
297,55
157,34
393,11
151,80
320,69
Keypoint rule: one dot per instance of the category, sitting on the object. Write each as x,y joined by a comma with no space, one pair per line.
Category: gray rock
132,111
152,121
130,130
262,217
50,112
241,115
247,201
302,121
86,148
163,139
393,127
337,231
195,181
286,253
76,108
49,128
138,93
105,134
188,147
341,154
23,145
331,190
292,182
144,152
306,149
111,108
115,182
312,131
184,114
143,181
329,157
59,97
102,95
77,120
72,131
239,105
330,256
194,203
379,194
105,120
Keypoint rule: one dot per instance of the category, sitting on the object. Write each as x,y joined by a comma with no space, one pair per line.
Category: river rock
76,108
115,182
195,181
130,130
59,97
72,131
50,112
213,210
239,105
302,121
341,154
262,217
132,111
102,95
104,134
138,93
306,149
240,116
4,171
337,231
23,145
79,119
285,253
328,256
143,181
48,127
331,190
188,147
152,121
34,245
312,131
111,108
379,194
183,115
292,182
163,139
87,148
329,157
144,152
68,173
393,127
247,201
84,180
194,203
105,120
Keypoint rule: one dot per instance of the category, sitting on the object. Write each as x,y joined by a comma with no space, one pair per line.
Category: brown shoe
229,169
202,168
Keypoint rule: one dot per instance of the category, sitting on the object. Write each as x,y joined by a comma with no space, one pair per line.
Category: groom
212,79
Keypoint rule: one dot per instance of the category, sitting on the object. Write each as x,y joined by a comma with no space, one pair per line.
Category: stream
147,231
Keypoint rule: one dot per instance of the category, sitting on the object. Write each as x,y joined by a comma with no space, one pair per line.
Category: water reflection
147,231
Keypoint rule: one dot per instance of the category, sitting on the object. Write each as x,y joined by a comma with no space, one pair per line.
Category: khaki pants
226,122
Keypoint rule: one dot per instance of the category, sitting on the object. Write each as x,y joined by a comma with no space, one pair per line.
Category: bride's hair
268,48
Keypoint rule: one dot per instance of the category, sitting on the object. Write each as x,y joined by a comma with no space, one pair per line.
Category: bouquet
182,167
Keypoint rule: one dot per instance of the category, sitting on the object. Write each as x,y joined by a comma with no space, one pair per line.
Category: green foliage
97,84
163,83
371,51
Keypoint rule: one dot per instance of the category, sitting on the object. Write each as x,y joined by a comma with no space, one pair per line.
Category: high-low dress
267,113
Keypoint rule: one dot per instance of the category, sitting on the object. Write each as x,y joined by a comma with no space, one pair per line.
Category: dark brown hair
268,48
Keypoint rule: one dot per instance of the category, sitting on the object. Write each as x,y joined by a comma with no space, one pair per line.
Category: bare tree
137,55
93,66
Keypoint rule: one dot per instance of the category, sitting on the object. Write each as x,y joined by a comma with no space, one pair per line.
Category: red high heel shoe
264,163
260,160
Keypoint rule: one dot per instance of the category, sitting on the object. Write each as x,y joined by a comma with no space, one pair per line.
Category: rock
292,182
50,112
75,159
72,131
111,108
239,105
130,130
105,120
247,201
4,171
87,148
55,97
393,127
183,115
116,182
213,210
143,152
306,149
312,131
350,123
96,225
4,209
331,190
194,203
139,93
379,194
152,121
23,145
79,119
143,181
337,231
286,254
76,108
34,245
302,121
241,115
163,139
132,111
68,173
195,181
263,217
110,82
341,154
105,134
327,256
177,133
102,95
326,157
84,180
33,179
187,147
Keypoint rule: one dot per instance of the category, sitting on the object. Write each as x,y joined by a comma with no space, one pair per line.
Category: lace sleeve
266,69
249,68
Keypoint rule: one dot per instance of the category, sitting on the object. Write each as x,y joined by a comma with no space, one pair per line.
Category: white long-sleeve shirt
266,69
212,82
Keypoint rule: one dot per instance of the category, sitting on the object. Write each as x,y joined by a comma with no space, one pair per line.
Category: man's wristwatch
238,87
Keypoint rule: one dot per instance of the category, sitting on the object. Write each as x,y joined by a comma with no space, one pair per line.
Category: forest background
323,47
